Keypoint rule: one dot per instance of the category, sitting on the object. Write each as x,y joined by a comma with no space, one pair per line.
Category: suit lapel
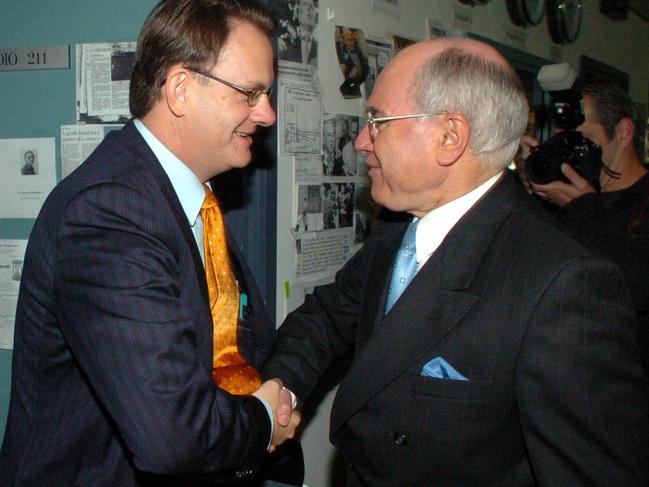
380,273
440,295
256,331
137,144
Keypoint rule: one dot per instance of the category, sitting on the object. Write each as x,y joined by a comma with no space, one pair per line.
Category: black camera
543,165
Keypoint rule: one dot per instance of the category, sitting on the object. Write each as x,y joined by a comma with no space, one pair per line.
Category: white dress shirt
437,223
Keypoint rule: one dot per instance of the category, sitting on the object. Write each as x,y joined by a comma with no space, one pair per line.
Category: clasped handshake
287,419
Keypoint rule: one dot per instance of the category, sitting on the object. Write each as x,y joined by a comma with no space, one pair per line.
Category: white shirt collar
187,186
437,223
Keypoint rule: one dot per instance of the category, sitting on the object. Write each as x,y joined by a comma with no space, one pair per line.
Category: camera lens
544,163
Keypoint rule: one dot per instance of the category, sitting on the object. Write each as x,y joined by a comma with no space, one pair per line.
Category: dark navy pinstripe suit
111,381
544,331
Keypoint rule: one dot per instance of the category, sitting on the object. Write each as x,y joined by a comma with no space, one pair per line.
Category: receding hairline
434,49
234,22
427,51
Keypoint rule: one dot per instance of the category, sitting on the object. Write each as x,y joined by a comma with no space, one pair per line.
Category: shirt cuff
293,398
270,417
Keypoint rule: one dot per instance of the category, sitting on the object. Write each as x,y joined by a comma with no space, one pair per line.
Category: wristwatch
564,20
526,12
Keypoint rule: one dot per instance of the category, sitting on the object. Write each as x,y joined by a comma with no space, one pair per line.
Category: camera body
543,165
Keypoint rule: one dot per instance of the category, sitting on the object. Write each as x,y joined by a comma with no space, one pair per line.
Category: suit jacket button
241,474
400,439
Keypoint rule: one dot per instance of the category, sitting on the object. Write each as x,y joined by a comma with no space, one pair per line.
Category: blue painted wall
37,103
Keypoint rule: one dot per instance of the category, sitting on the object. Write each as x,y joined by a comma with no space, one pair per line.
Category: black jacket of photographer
616,224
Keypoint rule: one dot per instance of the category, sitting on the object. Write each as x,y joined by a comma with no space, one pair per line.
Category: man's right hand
286,418
527,144
561,193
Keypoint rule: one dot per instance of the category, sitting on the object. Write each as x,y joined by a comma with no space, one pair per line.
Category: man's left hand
561,193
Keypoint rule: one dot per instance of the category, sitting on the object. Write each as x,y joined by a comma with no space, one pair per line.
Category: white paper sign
27,166
12,254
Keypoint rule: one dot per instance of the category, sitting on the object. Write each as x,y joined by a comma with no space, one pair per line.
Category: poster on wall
320,254
379,53
12,255
297,39
29,174
78,142
351,50
330,217
401,43
103,77
308,169
300,119
339,157
309,208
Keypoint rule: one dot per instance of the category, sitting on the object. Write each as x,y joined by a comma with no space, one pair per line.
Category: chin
379,197
241,160
388,200
241,164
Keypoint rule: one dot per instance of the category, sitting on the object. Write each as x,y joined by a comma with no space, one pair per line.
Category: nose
263,113
363,143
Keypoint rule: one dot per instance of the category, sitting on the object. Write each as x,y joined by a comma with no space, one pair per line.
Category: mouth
246,136
372,166
374,172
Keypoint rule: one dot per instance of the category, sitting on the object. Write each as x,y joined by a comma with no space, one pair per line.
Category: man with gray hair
488,347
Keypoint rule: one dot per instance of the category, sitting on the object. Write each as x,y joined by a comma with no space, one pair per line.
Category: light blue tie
405,265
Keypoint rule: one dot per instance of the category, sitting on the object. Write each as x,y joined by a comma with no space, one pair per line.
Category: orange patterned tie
230,370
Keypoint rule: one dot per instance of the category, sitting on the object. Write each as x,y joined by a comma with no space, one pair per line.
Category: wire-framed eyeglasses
253,95
374,122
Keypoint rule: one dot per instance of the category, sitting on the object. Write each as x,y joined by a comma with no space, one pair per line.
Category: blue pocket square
441,369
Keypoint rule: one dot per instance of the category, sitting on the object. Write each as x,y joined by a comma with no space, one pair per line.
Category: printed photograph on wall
337,205
309,208
297,41
29,163
339,157
379,53
103,81
351,49
401,43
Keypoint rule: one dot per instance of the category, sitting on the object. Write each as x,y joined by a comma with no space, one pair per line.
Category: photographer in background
615,221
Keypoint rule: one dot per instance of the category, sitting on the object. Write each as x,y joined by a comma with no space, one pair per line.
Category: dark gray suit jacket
111,382
543,330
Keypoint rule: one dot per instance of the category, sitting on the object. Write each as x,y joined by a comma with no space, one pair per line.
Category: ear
175,91
454,139
625,130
